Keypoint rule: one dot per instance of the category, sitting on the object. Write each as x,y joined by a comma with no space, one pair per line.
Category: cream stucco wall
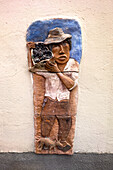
94,126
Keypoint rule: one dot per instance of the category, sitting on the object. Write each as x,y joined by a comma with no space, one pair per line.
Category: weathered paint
38,31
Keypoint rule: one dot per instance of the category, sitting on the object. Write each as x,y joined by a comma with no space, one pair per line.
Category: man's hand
51,66
30,45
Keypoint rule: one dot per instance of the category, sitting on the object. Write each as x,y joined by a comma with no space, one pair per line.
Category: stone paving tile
32,161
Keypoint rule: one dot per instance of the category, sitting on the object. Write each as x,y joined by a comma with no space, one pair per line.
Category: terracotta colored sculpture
49,143
55,92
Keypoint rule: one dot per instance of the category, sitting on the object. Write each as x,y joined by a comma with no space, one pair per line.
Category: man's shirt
54,88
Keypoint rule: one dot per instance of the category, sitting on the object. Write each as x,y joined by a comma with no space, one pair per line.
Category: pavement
32,161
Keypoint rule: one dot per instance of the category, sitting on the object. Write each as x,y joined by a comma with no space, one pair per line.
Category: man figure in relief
61,80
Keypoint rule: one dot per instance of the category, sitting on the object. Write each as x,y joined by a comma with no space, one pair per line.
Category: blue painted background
38,31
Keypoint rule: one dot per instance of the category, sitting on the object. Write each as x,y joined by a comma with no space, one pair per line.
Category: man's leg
47,123
65,123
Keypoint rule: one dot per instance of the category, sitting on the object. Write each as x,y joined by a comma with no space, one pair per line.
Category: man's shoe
66,146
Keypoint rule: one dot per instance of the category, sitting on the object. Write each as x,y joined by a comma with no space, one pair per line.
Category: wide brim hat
56,35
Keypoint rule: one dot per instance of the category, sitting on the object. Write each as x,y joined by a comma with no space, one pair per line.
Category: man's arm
67,81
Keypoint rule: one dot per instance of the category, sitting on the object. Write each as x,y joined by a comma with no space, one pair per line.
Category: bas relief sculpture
55,95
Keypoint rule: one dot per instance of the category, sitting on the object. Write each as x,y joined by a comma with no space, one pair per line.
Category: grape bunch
41,53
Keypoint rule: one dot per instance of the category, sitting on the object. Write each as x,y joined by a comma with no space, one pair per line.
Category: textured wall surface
94,126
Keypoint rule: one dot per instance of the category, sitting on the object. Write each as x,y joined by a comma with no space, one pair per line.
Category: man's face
61,52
